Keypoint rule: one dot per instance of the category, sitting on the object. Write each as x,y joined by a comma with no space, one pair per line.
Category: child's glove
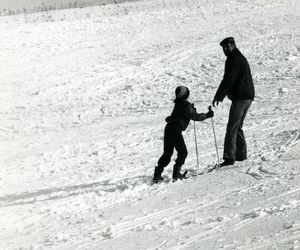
209,114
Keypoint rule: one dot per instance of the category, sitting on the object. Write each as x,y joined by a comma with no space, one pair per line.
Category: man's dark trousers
235,147
173,139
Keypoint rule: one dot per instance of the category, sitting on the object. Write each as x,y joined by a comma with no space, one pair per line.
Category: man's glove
209,114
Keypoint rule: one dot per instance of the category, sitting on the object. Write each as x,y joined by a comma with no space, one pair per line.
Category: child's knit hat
182,92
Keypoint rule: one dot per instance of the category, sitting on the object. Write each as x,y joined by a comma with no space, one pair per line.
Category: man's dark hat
227,40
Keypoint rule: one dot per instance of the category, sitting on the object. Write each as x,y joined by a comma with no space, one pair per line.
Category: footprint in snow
146,227
253,174
107,233
250,215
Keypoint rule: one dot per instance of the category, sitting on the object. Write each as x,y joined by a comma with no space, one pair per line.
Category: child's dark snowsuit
182,113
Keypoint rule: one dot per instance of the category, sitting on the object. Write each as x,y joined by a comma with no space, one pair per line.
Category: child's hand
209,114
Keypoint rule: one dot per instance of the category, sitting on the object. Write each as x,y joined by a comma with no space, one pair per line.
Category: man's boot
157,174
227,162
176,173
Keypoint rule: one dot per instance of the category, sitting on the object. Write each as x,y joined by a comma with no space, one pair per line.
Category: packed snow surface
84,94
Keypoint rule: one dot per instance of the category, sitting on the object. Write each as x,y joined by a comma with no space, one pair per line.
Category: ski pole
196,145
213,126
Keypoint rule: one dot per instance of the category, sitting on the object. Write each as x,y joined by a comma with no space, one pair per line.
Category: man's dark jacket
237,81
183,112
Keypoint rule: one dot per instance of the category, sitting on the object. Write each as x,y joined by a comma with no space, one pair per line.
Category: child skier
177,122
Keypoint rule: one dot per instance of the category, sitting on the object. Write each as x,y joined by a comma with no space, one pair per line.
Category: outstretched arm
193,115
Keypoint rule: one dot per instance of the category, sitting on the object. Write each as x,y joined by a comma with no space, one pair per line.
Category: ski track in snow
155,219
84,95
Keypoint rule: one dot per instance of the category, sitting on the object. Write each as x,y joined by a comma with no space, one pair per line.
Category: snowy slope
8,7
84,94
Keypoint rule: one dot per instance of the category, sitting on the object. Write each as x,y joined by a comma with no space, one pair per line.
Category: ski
208,169
213,168
187,174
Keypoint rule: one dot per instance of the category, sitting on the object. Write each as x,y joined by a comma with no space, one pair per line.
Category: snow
84,94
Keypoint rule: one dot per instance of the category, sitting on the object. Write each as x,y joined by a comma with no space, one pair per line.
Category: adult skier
238,86
177,122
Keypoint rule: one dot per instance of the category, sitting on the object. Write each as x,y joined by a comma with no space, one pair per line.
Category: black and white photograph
149,124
